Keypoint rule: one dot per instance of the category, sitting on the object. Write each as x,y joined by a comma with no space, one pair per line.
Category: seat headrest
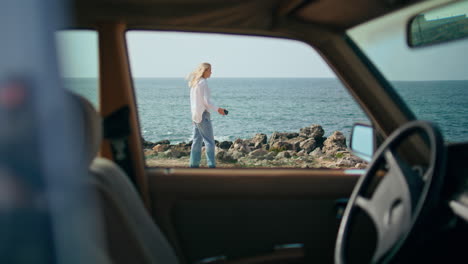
92,125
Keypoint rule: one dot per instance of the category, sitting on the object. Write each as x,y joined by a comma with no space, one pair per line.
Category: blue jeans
203,132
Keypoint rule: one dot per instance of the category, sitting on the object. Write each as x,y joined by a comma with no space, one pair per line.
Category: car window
283,101
78,61
432,80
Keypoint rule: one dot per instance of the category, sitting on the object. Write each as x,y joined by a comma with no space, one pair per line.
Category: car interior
408,206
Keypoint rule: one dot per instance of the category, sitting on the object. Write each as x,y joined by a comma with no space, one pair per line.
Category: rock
236,154
301,153
241,145
161,148
281,146
292,153
296,142
259,138
345,163
258,153
334,143
360,166
348,160
225,156
316,153
172,153
220,154
147,144
313,131
270,156
163,142
276,137
308,145
258,145
284,154
182,149
225,144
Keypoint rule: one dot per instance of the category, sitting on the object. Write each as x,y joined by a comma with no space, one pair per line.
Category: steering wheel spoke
395,202
389,208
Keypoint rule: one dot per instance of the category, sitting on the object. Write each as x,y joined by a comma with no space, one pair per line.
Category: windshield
432,80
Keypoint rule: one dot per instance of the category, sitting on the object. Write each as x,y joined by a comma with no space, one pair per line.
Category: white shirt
200,100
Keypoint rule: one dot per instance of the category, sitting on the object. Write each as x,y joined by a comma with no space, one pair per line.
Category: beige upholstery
92,126
132,236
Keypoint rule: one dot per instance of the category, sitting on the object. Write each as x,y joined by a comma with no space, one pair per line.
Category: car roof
235,16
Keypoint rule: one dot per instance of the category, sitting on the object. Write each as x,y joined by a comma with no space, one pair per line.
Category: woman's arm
205,92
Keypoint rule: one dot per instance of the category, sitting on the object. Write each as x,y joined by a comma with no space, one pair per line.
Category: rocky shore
307,148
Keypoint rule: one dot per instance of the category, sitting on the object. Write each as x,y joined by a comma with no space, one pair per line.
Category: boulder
280,146
271,155
225,156
236,154
296,142
225,144
161,147
302,153
345,163
308,145
313,131
172,153
259,138
277,136
258,145
241,146
361,166
147,144
284,154
163,142
182,149
258,153
334,143
316,153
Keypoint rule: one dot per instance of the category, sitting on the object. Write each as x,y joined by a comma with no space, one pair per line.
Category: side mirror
438,25
362,141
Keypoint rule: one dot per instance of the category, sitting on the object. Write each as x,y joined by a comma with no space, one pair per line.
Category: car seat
132,236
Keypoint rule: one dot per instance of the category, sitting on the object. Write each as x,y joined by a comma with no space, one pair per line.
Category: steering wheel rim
392,207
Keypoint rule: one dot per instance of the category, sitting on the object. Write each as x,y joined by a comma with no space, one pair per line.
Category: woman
201,106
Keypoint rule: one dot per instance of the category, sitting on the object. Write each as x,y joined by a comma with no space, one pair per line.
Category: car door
215,215
268,215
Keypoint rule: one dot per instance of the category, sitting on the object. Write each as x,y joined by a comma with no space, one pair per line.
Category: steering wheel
395,195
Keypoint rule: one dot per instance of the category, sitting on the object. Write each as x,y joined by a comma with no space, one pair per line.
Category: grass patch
277,150
339,155
151,156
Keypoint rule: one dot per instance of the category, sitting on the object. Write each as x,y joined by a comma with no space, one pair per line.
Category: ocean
266,105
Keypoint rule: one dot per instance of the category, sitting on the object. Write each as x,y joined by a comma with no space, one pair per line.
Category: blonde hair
197,74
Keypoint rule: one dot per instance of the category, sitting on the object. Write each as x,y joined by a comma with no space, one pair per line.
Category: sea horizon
281,104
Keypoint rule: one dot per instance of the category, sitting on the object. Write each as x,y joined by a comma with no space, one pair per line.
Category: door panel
242,213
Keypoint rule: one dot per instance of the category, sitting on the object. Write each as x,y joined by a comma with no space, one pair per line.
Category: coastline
307,148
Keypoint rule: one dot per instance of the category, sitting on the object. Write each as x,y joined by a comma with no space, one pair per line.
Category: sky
176,54
172,54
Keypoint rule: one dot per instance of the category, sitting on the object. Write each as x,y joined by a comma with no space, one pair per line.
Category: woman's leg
206,131
195,152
